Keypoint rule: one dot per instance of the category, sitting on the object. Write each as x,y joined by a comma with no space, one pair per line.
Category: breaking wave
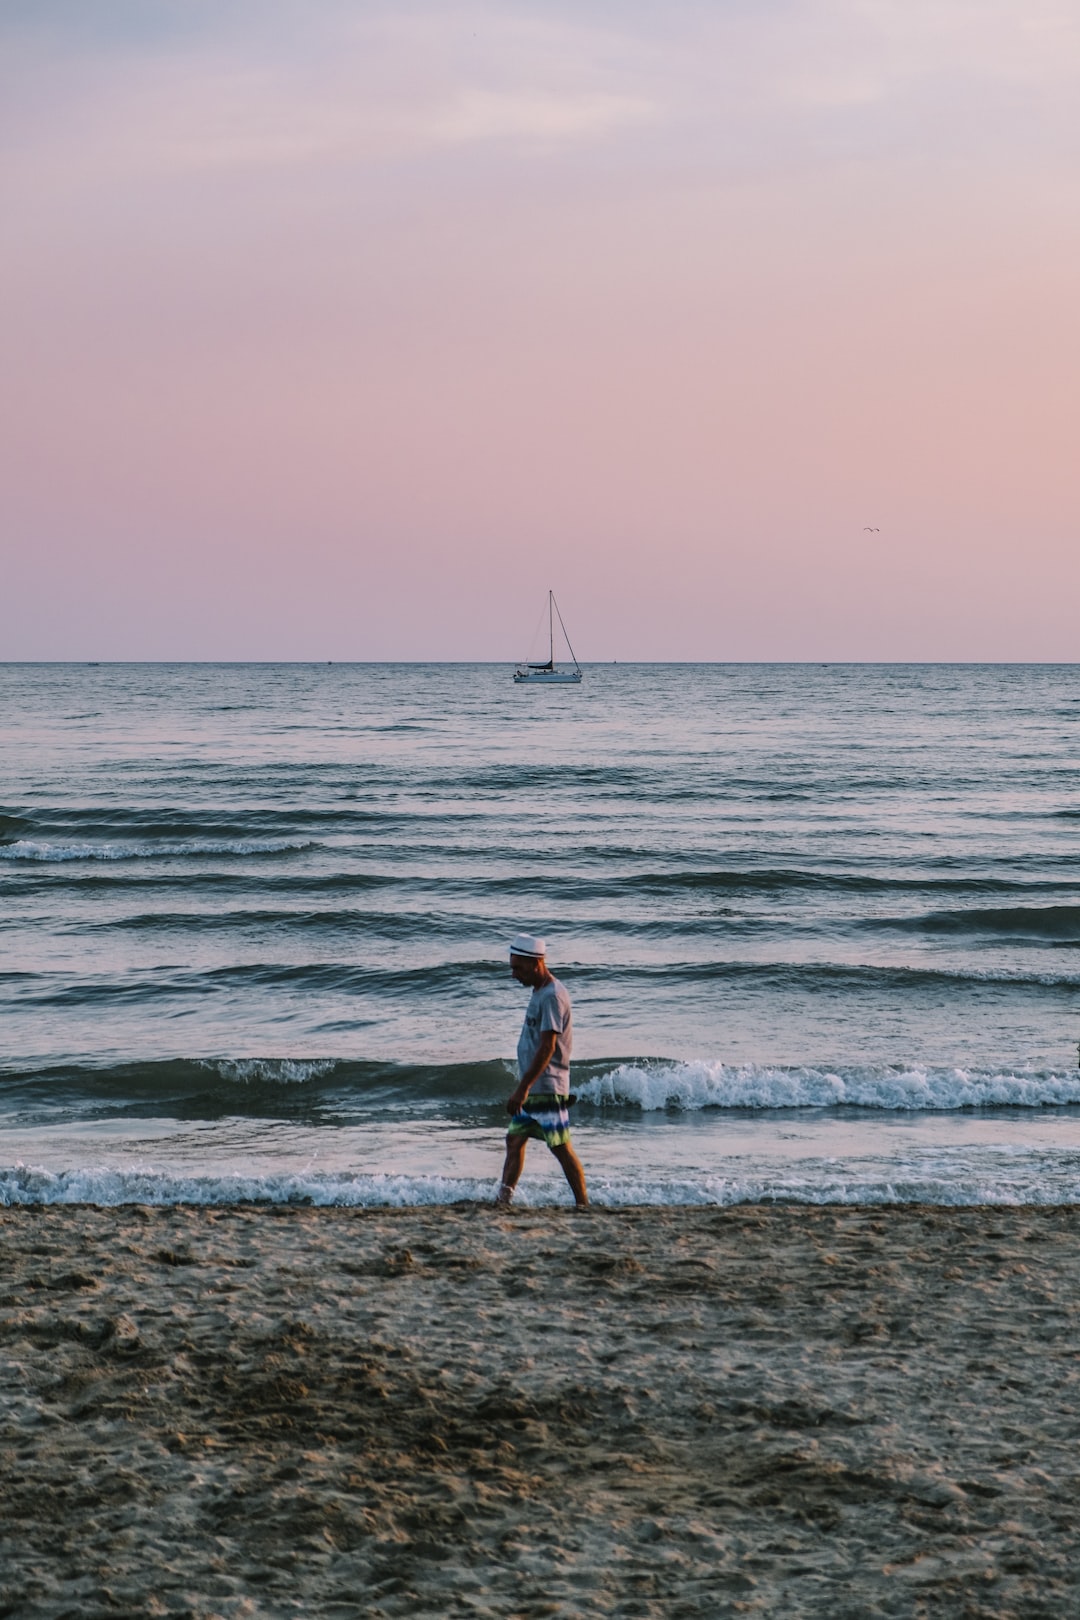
269,1071
692,1086
270,1084
1034,1179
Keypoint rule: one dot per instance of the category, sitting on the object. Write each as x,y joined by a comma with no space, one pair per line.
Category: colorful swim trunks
544,1117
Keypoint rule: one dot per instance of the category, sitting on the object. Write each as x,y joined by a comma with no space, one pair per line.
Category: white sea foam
28,1184
1031,1180
280,1071
691,1086
25,849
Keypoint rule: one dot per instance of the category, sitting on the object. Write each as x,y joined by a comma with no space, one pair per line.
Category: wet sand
666,1413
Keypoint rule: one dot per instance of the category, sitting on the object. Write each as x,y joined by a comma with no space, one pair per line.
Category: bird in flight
868,530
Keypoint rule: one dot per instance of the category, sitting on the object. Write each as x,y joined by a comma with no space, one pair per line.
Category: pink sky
341,331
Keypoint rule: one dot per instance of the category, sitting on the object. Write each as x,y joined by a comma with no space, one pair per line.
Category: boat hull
547,678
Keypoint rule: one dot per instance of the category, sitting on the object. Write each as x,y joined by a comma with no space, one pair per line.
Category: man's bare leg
574,1173
515,1163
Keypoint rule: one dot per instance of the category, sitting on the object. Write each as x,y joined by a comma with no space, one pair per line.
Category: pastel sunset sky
342,330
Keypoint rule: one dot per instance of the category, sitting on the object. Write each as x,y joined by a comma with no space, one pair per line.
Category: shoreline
653,1411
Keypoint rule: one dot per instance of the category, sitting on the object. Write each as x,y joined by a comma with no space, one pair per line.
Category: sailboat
549,673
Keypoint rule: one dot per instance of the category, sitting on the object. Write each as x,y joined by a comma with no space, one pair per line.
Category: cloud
355,87
722,87
264,128
480,115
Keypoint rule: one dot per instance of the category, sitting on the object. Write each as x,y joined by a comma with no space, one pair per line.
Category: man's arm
544,1054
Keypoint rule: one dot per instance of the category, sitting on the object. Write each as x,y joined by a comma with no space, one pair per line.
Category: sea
820,925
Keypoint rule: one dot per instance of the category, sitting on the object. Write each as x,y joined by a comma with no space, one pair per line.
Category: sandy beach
333,1412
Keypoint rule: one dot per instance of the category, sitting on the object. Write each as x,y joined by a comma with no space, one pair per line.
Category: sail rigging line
573,654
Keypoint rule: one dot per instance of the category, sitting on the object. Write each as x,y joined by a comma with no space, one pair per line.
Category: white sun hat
527,945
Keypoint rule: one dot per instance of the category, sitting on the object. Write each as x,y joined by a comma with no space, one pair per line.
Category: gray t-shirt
548,1009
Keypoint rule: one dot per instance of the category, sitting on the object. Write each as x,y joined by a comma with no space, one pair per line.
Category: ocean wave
268,1084
261,1083
835,976
462,980
101,822
1058,924
397,925
25,849
229,1084
784,879
693,1086
268,879
1041,1180
456,981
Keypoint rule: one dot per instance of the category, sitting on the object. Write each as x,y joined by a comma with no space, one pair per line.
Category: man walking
538,1102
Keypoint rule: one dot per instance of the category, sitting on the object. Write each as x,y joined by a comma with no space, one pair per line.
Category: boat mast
551,630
